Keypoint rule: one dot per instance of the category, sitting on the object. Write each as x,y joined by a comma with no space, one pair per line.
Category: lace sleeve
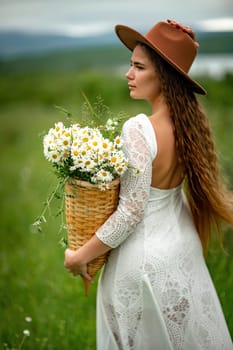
135,186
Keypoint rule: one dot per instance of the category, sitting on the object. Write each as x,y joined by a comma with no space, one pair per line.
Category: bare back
167,172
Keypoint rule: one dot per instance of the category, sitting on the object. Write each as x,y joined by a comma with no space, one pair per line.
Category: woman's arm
76,260
134,193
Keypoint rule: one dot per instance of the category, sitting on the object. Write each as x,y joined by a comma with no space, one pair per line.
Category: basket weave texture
87,208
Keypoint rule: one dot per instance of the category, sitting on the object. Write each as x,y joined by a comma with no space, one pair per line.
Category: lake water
214,65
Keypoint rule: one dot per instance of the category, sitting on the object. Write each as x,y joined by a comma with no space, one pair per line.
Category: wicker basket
87,208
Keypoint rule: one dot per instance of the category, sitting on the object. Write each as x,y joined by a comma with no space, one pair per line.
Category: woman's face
142,78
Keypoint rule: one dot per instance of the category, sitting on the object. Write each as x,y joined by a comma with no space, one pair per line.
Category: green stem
62,214
50,199
22,341
89,105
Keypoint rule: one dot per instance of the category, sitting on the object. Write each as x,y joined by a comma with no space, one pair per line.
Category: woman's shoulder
141,128
139,123
139,119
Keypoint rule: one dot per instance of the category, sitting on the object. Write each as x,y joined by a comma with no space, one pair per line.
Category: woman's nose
128,74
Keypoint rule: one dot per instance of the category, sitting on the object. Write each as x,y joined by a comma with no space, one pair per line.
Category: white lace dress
155,292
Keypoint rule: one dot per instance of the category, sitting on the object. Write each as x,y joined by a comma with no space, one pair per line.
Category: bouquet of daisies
88,160
85,153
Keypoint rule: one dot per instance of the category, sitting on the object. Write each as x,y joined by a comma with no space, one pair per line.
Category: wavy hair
210,201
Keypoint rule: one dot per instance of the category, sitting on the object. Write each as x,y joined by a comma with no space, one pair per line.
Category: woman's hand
74,266
185,29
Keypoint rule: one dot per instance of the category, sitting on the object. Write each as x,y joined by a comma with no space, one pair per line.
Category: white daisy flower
89,165
48,140
96,142
75,128
58,129
103,176
118,142
113,159
59,126
106,145
75,152
121,168
54,156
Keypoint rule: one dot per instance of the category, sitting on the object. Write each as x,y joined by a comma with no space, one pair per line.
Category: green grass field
33,280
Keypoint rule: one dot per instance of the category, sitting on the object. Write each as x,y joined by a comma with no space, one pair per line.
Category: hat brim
130,38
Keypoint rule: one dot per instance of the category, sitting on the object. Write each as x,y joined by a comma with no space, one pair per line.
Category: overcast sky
88,17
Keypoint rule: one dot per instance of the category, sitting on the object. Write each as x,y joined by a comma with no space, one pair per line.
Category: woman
155,291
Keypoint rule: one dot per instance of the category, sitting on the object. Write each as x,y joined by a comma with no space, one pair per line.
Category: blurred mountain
215,42
21,52
15,44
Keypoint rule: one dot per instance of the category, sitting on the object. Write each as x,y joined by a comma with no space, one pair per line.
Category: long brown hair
210,201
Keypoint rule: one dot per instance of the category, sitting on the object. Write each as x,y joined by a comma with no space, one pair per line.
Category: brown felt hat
174,42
